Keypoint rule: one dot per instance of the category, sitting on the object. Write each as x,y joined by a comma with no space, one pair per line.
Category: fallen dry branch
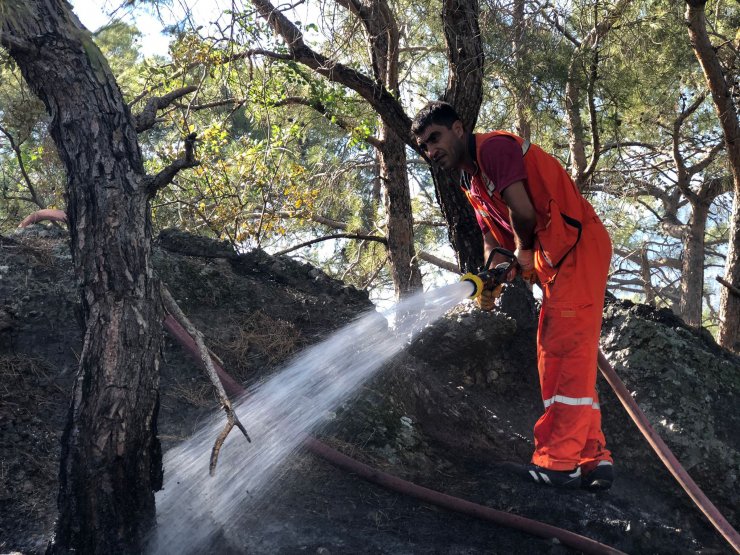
232,420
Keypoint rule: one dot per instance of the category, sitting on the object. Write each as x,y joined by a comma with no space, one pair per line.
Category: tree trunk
465,92
111,459
729,333
692,268
465,52
400,225
576,132
581,168
382,33
646,276
465,235
729,303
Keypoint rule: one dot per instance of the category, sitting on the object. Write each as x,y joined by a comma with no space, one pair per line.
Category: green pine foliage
286,155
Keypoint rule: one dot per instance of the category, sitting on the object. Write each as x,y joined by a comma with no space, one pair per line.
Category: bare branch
216,60
380,98
329,222
422,49
429,223
18,197
553,19
712,188
236,102
334,236
440,262
165,176
718,84
622,144
148,115
702,164
595,138
605,25
649,208
232,419
734,290
444,264
581,170
375,274
678,158
336,224
636,257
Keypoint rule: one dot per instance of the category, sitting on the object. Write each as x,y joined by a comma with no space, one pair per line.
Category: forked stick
232,419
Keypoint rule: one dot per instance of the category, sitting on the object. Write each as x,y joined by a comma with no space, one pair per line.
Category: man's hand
487,299
525,259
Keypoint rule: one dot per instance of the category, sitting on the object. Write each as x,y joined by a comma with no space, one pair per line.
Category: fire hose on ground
571,539
491,278
668,458
334,457
484,279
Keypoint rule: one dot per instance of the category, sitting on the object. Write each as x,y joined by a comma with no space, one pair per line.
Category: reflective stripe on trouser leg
567,345
595,448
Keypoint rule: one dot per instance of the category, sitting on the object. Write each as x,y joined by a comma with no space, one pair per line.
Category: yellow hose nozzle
477,284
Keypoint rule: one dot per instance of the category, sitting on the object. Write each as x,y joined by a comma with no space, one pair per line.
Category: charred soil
446,414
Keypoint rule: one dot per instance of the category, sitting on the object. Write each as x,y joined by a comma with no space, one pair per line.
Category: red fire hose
665,454
571,539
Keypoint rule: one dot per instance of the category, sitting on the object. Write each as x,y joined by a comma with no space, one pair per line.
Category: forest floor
466,423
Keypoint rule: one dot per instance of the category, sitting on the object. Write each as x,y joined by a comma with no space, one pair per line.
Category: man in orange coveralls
526,202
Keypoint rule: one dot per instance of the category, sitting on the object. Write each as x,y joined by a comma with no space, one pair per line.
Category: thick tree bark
465,92
576,131
111,459
729,333
691,289
729,304
647,279
464,233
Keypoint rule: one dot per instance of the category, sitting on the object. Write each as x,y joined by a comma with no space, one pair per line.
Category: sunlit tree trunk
729,333
382,31
111,459
400,231
692,269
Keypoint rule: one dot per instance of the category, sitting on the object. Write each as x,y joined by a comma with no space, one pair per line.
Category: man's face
445,146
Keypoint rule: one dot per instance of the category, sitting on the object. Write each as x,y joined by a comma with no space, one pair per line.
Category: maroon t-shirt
502,162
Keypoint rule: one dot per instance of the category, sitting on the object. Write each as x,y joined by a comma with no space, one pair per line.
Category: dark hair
434,113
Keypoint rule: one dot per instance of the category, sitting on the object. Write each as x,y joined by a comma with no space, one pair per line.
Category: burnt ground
446,414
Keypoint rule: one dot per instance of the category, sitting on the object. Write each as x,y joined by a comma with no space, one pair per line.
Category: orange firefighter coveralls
572,253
